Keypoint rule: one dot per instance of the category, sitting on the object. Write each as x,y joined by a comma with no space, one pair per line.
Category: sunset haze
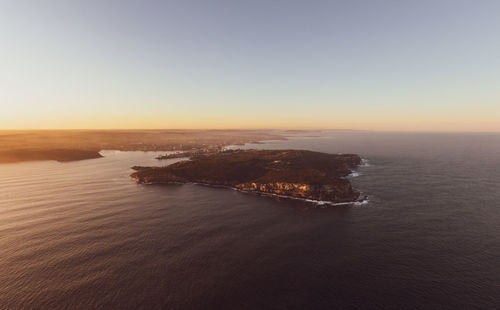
381,65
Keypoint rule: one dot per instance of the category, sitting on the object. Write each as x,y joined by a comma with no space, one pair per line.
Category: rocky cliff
340,191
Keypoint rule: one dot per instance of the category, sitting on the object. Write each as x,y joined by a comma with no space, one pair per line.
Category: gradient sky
386,65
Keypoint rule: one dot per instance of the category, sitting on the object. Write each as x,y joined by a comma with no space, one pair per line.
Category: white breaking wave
364,163
354,174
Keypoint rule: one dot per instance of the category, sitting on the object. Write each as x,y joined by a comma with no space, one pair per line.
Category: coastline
358,202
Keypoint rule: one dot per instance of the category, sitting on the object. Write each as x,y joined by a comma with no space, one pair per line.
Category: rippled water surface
83,235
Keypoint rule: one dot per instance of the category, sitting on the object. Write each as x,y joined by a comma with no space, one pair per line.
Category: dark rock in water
293,173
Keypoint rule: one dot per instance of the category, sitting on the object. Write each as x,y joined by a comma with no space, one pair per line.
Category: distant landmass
71,145
61,155
290,173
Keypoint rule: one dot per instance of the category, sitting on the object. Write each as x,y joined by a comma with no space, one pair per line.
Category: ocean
83,235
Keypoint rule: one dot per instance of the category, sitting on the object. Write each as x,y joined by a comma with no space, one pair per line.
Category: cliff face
341,191
298,174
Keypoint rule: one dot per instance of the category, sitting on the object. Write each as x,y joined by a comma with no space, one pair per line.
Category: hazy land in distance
69,145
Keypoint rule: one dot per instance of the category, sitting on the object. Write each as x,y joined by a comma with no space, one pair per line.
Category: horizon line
246,129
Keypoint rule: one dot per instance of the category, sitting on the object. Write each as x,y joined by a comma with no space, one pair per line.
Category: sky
431,65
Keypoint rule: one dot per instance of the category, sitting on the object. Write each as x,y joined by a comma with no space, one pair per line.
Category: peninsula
291,173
